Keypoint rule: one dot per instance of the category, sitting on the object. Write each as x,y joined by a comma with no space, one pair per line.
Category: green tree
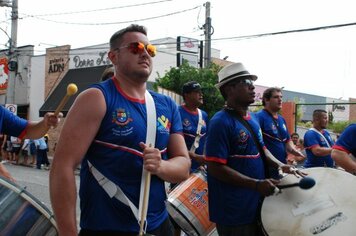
207,77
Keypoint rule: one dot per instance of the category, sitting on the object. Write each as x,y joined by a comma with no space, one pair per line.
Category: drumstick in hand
304,183
146,194
71,90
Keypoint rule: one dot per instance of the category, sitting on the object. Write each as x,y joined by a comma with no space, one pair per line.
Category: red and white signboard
4,73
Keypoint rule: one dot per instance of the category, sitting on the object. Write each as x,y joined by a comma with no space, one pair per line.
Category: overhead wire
118,22
96,10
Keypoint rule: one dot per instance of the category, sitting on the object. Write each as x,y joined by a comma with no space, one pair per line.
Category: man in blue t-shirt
190,115
13,125
125,137
318,142
344,147
236,157
274,128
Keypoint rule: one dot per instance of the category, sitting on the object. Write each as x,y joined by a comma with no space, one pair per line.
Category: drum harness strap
254,137
114,190
198,136
327,142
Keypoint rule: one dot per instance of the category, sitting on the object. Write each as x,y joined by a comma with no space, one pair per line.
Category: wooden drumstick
146,194
71,90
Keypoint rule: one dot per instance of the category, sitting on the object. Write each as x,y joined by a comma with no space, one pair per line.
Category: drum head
327,209
23,214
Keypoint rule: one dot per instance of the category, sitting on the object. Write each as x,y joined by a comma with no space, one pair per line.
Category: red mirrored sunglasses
138,48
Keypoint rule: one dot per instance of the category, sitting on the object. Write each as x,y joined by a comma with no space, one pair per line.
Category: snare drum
188,205
327,209
22,214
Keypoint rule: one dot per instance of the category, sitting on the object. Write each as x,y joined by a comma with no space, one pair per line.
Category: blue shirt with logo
190,124
117,155
322,139
230,143
275,134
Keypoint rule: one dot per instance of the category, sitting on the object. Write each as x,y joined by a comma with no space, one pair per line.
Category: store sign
88,60
187,44
56,65
192,59
4,73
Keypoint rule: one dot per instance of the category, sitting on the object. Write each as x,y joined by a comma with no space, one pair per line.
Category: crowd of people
27,152
128,137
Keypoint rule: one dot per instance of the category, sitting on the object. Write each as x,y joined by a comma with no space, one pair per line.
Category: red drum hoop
327,209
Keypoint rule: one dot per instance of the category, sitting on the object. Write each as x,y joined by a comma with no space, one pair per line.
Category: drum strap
198,136
114,190
255,139
280,137
315,130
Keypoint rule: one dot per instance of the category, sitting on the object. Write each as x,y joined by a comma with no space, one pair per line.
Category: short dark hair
267,94
294,134
115,39
317,113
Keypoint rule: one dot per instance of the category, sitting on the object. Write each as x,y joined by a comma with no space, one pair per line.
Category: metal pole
10,93
207,32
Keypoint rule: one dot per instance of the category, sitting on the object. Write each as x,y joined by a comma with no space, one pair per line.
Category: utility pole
10,92
207,32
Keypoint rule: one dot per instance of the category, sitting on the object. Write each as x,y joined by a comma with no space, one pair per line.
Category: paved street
35,182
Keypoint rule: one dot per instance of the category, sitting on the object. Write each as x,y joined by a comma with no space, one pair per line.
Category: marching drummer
115,124
345,146
236,157
13,125
195,123
274,128
318,142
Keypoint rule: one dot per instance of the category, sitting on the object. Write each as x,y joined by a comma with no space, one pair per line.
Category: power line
288,31
116,23
96,10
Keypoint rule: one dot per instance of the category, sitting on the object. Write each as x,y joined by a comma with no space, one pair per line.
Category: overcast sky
320,62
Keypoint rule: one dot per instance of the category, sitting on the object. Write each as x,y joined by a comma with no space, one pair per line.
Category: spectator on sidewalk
41,148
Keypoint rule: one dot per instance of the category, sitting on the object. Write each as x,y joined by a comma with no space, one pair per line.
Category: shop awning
82,77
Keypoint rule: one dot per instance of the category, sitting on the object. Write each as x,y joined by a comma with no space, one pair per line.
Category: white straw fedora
231,72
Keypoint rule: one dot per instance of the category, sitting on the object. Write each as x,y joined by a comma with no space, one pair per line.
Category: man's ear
113,57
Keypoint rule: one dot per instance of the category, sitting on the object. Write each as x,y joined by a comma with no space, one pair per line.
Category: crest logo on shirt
274,129
163,124
243,136
121,117
186,123
198,198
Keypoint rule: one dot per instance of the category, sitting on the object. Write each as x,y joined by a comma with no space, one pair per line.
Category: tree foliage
207,77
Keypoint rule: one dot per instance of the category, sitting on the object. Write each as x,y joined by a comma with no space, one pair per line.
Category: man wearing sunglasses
274,128
236,157
106,131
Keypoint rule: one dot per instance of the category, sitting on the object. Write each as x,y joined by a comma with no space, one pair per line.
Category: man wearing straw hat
129,142
237,158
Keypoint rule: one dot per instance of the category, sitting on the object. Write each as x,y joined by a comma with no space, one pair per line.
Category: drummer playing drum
345,146
236,164
195,123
